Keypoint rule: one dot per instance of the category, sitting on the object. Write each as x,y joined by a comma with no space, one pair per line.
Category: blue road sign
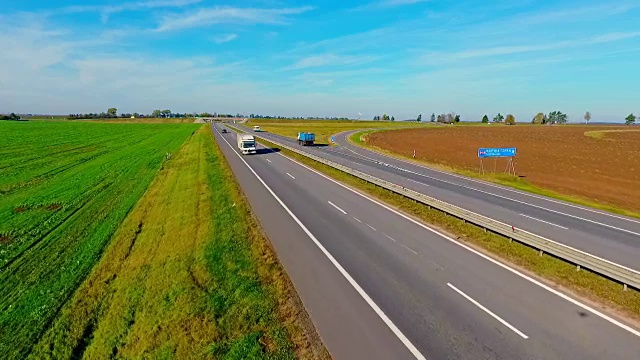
333,139
496,152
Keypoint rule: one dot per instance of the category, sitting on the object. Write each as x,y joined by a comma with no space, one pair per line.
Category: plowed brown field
559,158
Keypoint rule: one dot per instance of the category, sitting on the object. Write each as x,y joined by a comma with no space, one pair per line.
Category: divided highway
609,236
379,285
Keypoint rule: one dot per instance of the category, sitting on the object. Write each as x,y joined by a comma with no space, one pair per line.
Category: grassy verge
583,283
187,275
359,138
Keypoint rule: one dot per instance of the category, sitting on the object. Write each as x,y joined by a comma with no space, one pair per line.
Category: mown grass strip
187,275
359,138
552,270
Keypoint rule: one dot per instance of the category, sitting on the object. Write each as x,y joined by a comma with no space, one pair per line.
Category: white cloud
517,49
225,38
225,14
108,10
329,60
382,4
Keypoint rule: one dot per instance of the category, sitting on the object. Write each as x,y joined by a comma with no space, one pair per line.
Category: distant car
224,131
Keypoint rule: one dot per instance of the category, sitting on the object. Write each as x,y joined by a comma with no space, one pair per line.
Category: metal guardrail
624,275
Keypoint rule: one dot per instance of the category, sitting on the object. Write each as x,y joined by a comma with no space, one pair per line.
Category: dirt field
602,166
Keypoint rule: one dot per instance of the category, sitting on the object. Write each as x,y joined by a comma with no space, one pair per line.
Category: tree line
11,116
384,117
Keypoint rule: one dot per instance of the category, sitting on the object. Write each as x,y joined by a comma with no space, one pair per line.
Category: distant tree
433,117
485,119
540,118
112,112
498,118
629,120
166,113
419,119
205,114
393,118
156,113
510,120
456,118
557,117
385,117
587,117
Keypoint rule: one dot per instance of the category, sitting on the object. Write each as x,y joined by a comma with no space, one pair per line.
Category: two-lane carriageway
379,285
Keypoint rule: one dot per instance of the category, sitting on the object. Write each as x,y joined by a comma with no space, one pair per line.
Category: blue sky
323,58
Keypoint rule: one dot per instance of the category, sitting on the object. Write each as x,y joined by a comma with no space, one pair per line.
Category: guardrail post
578,267
624,287
541,252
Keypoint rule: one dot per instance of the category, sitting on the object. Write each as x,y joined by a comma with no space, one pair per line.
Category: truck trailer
306,138
246,144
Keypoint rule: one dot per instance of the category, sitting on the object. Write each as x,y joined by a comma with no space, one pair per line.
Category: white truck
256,128
246,143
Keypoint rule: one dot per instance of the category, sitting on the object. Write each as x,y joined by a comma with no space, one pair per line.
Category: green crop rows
64,190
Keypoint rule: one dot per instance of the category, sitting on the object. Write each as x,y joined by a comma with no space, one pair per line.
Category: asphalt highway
609,236
379,285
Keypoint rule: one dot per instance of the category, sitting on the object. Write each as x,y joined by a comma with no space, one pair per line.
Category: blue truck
306,138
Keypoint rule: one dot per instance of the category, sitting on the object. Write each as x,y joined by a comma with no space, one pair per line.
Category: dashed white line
268,160
335,206
291,176
410,249
488,312
389,237
371,227
417,182
356,219
397,332
476,252
546,222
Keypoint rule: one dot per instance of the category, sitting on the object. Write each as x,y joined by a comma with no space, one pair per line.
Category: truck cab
246,144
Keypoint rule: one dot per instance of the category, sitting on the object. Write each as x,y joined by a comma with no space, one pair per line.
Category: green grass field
65,189
324,128
111,249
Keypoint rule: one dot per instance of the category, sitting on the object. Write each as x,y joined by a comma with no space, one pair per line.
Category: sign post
496,153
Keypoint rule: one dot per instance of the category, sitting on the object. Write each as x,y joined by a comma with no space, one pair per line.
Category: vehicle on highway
306,138
256,128
224,131
246,144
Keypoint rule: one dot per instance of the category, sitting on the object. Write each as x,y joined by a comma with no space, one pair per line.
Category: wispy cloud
225,38
329,60
381,4
517,49
225,14
108,10
578,13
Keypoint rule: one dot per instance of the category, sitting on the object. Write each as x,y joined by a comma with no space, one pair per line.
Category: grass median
559,273
187,275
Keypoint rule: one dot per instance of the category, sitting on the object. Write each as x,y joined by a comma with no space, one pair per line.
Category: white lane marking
488,311
546,222
268,160
336,206
371,227
410,249
418,182
489,184
495,262
390,238
291,176
416,353
356,219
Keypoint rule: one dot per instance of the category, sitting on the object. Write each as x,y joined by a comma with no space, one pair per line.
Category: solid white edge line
490,184
291,176
486,257
416,353
336,206
513,328
546,222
